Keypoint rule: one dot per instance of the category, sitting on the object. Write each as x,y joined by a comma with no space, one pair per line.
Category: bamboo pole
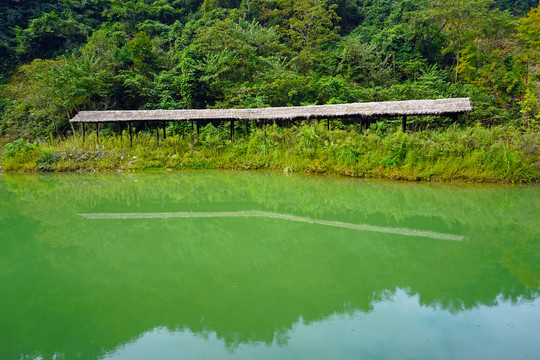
157,133
404,123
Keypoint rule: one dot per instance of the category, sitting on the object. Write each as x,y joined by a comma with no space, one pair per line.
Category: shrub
46,160
18,147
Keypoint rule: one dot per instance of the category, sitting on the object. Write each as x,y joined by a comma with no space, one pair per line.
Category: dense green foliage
58,57
501,154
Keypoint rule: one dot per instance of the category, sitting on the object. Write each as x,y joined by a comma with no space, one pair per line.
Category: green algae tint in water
219,265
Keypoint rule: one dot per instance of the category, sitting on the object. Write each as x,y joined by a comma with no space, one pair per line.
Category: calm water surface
219,265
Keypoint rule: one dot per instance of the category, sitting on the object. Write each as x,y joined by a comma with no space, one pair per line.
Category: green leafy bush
308,141
19,147
212,137
46,160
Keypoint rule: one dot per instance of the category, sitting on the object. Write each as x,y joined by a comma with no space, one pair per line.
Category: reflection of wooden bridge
272,215
362,111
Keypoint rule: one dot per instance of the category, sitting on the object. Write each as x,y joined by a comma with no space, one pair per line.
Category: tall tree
460,19
306,27
529,34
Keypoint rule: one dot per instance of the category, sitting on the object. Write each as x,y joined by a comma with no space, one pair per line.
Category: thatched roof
358,110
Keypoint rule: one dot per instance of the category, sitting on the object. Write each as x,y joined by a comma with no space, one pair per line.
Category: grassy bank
477,154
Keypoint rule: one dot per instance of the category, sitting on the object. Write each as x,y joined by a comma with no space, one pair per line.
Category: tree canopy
58,57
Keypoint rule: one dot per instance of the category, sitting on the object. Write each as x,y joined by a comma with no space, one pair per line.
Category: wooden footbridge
363,111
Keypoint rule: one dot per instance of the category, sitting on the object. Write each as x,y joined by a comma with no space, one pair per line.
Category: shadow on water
82,284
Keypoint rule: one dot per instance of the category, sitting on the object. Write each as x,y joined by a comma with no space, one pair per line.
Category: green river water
219,265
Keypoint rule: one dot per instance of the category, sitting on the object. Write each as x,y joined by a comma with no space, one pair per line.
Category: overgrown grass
477,154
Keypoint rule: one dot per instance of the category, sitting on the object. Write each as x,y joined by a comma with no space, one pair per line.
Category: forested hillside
58,57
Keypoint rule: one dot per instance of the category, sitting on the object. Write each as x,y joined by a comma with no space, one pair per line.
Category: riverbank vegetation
58,57
478,154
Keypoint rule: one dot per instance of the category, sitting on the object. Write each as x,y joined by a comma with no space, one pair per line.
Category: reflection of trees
102,283
300,195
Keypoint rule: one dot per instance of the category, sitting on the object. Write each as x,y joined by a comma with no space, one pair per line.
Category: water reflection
271,215
396,328
80,288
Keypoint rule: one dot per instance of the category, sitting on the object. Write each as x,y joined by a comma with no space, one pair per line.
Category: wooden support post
197,126
83,132
232,129
361,125
328,124
97,133
130,135
164,130
404,123
157,133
